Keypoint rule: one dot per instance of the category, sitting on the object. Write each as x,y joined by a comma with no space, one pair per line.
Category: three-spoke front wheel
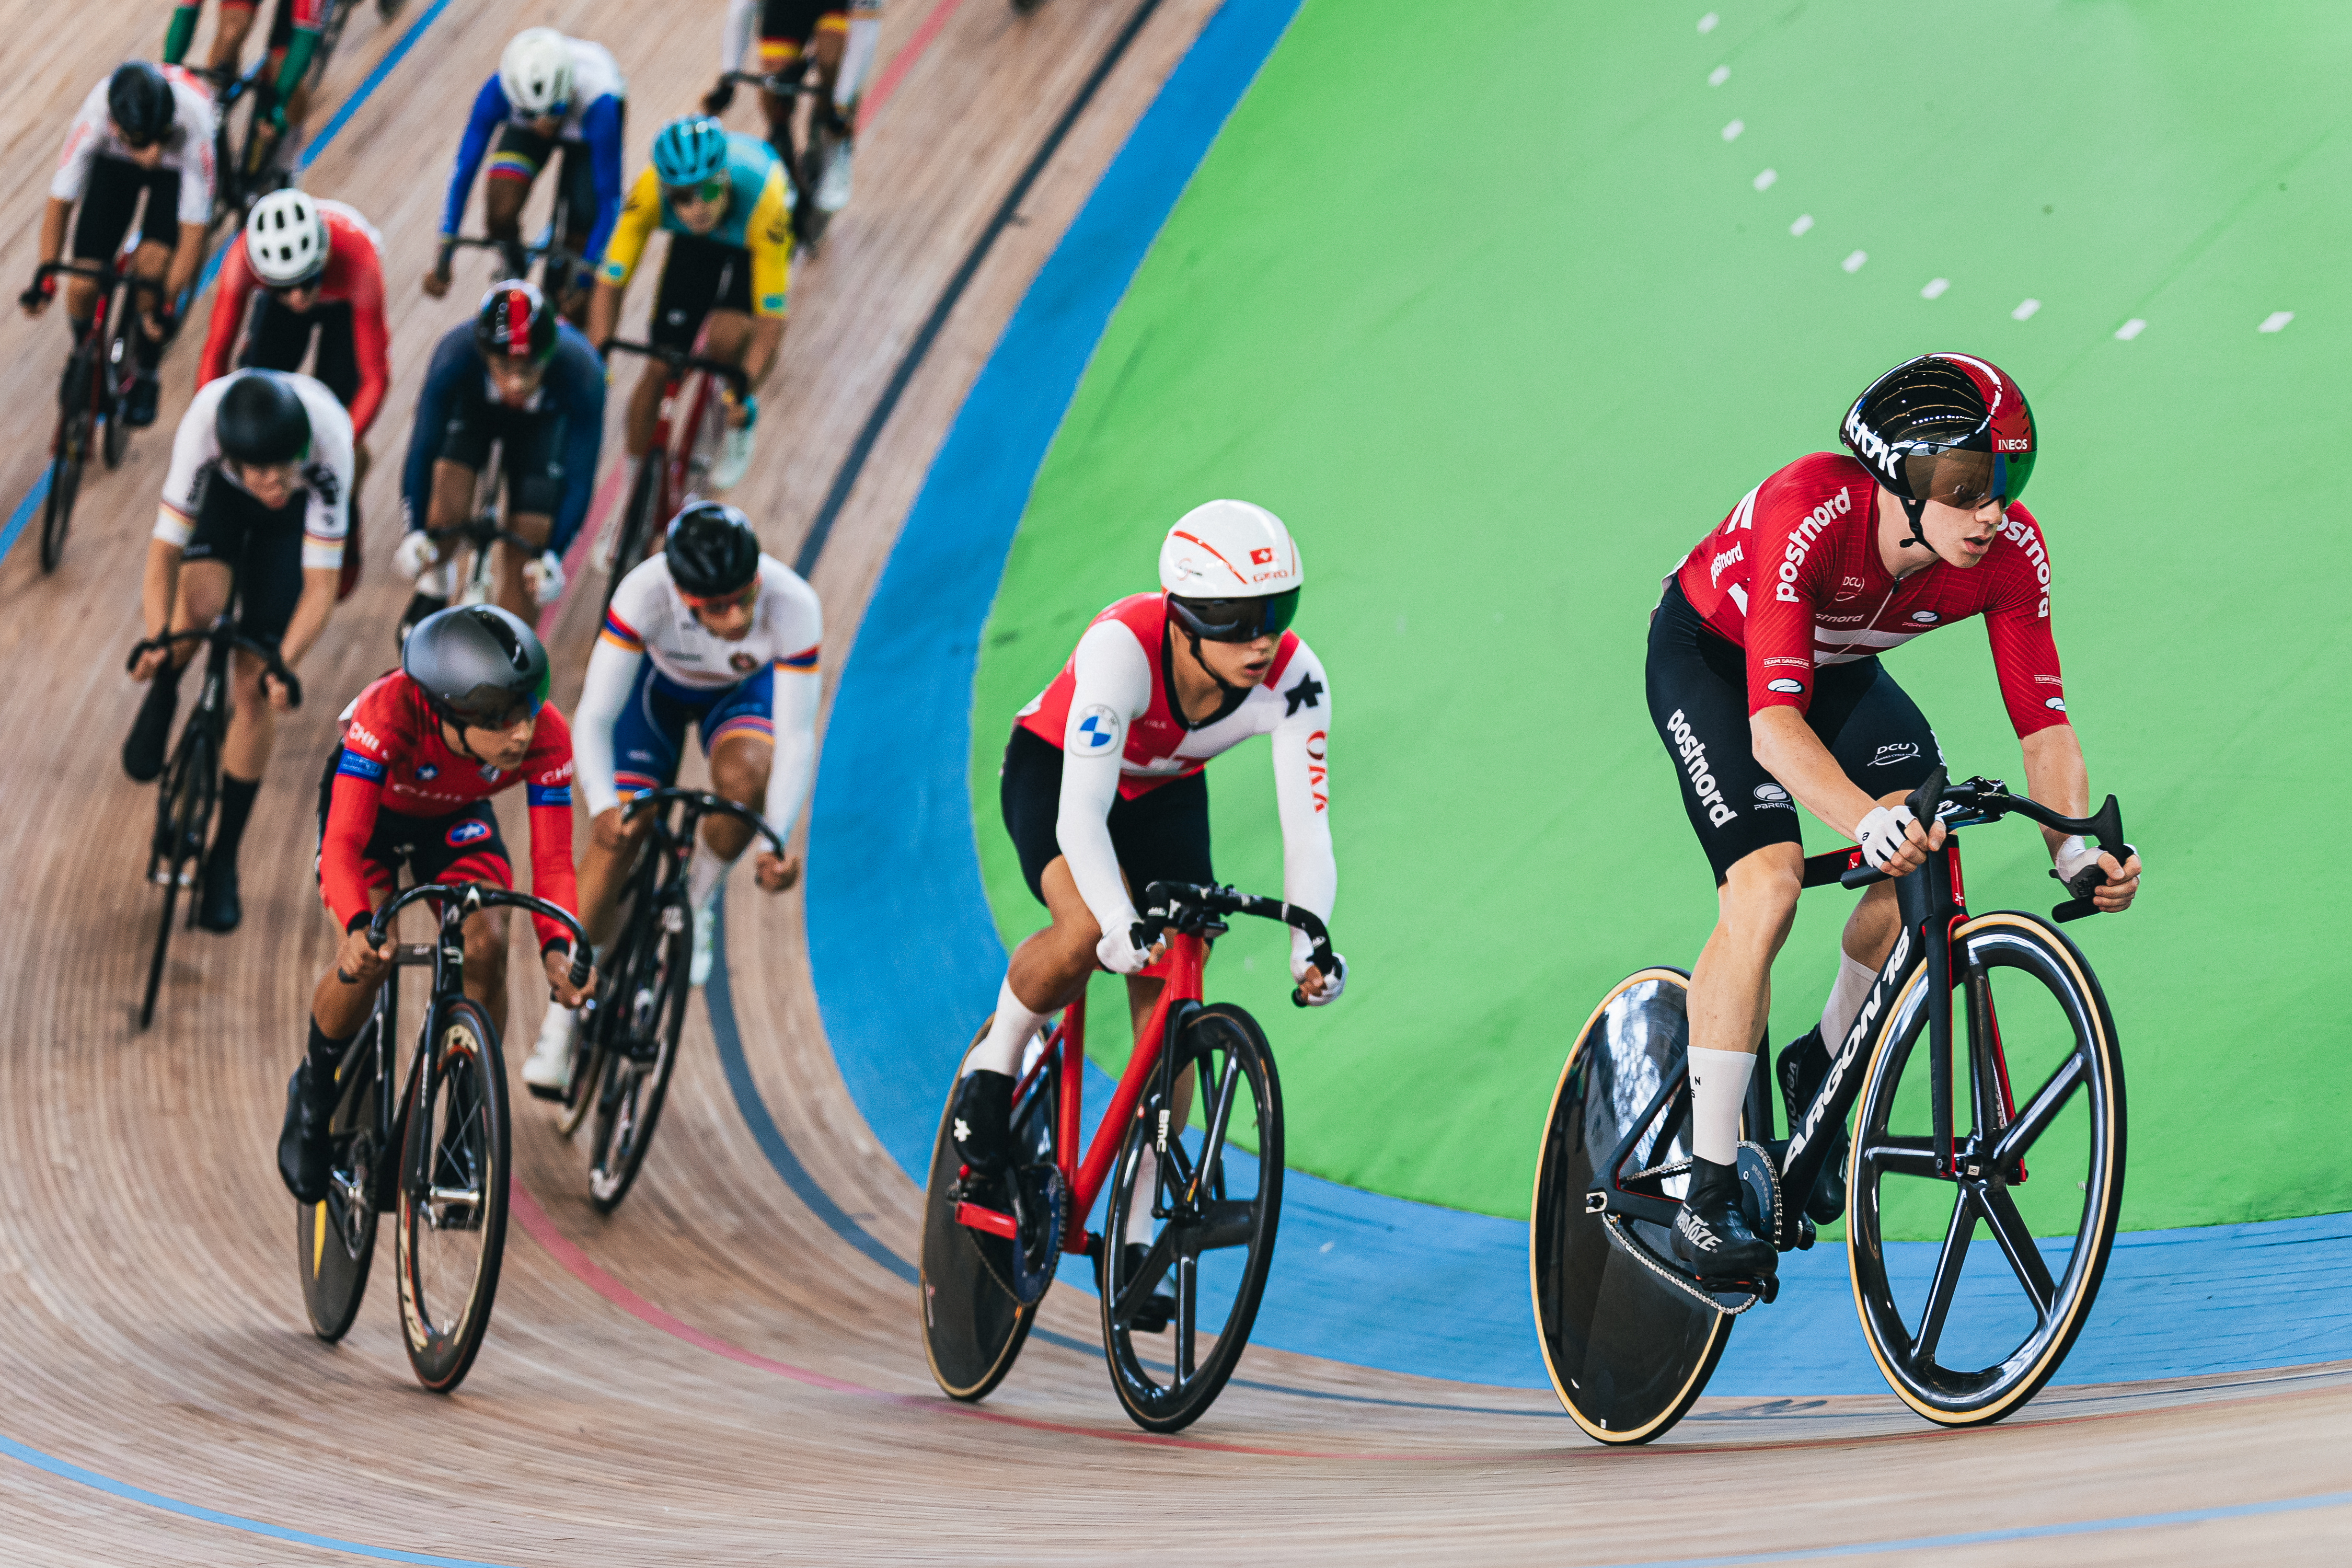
453,1198
2024,1216
1177,1310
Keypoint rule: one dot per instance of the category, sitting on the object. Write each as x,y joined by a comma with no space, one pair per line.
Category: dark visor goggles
1968,479
1236,620
495,708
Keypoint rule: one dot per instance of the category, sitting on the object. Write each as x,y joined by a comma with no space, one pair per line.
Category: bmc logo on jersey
1785,685
473,830
1095,730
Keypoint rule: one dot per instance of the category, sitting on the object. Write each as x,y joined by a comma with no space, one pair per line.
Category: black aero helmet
712,551
1945,427
513,322
477,665
139,102
261,420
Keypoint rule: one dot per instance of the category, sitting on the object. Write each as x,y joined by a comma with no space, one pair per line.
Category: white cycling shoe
833,190
734,458
547,1071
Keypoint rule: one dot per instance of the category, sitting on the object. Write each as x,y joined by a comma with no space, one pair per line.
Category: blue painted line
2020,1533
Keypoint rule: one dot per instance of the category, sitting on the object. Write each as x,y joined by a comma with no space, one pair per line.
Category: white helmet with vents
286,239
536,73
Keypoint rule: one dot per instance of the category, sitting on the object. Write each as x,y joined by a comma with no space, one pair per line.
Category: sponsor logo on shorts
2055,704
1786,685
473,830
1768,795
1925,618
743,663
1693,751
1899,751
1096,731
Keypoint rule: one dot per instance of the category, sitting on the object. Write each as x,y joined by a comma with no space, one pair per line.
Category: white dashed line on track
2274,320
1718,76
1764,181
1802,224
1853,263
2025,309
1731,131
2130,330
1935,289
1706,23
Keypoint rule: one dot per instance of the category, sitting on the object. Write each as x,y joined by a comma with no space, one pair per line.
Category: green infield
1502,317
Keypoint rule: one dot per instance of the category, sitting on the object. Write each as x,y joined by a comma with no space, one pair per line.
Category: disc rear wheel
453,1198
974,1321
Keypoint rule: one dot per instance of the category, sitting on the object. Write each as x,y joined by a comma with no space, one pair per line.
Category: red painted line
904,60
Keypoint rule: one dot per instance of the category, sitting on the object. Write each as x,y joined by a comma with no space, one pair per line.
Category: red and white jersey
1793,576
1112,711
188,148
353,277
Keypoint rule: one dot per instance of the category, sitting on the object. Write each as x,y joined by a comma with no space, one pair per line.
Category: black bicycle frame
1931,905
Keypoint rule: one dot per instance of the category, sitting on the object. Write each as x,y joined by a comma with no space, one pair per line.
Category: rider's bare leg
512,592
485,934
1731,991
230,28
739,772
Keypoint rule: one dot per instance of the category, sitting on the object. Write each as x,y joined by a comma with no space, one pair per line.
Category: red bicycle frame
1180,970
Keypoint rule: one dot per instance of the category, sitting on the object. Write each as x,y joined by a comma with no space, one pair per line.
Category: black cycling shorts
699,276
1161,837
1697,687
794,21
279,338
531,444
264,548
575,175
463,846
108,199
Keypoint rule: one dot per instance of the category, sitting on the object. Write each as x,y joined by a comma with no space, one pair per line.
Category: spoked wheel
453,1199
65,485
1627,1352
974,1321
183,815
648,1012
336,1235
1177,1314
637,522
1969,1333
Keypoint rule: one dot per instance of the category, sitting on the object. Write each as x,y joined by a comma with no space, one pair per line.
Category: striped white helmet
1232,572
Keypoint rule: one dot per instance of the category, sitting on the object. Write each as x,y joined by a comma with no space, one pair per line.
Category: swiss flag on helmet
1261,557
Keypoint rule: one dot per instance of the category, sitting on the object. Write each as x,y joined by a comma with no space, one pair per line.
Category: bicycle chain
1634,1248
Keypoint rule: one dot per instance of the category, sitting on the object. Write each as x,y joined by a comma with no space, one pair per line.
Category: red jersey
393,759
354,275
1794,577
1160,747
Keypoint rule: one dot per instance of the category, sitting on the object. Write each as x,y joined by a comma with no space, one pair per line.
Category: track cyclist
1765,683
518,375
144,128
721,196
261,474
294,31
424,748
307,269
1103,792
713,631
550,95
845,34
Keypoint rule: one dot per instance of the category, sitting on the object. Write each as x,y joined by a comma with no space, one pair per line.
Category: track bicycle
244,165
828,133
629,1032
98,379
436,1153
685,446
474,582
990,1245
559,267
1630,1337
190,786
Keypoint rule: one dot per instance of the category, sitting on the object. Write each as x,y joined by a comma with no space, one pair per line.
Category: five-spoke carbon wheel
453,1198
336,1235
1967,1330
640,1034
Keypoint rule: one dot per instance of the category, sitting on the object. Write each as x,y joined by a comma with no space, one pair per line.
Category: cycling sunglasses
706,192
742,595
1236,620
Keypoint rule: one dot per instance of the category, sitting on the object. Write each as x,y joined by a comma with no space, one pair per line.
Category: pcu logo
1097,727
473,830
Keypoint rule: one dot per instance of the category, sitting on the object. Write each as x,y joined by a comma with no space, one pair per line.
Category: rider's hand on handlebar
1117,952
1318,991
2074,857
281,697
436,282
149,661
358,962
775,873
415,554
1892,841
36,298
558,964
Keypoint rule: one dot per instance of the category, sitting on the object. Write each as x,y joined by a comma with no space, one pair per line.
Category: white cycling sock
704,872
857,57
1718,1094
1147,1193
1007,1037
1847,994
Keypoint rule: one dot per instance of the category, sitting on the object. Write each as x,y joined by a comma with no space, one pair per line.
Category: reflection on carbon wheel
453,1199
335,1237
2026,1218
973,1322
1627,1353
1177,1310
65,485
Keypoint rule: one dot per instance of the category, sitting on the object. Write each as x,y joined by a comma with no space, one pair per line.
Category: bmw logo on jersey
1095,730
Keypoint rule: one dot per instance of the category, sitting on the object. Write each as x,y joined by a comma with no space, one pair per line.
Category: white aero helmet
1232,572
286,239
536,73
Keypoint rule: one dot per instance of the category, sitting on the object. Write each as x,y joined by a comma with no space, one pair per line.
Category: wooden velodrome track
714,1375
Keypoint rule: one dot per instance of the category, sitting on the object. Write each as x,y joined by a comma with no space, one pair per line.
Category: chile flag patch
473,830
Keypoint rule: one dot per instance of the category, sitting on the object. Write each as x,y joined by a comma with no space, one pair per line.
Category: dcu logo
473,830
1095,730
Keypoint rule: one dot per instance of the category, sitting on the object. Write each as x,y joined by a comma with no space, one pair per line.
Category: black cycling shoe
982,1121
1804,1062
218,908
1712,1237
139,403
305,1151
142,749
420,606
1158,1310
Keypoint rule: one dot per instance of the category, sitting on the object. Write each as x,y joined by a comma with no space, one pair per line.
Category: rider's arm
229,300
769,236
319,587
547,786
82,139
792,712
301,46
489,113
599,127
180,34
735,39
425,432
640,214
371,338
1789,751
192,107
613,667
54,214
351,806
1113,676
194,447
1310,876
328,519
579,377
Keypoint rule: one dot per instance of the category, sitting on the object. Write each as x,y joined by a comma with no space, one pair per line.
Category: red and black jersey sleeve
2016,622
1801,516
378,732
547,786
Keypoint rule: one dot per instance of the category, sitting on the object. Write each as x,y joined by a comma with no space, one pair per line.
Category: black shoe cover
1803,1063
1712,1237
983,1121
139,403
305,1152
142,749
218,907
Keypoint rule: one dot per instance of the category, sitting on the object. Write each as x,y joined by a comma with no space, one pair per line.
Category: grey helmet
477,665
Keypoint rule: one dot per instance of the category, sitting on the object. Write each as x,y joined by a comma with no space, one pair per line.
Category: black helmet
514,322
712,552
261,420
477,665
139,102
1945,427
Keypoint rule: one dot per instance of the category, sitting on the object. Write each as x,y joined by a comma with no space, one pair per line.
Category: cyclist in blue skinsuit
517,375
551,92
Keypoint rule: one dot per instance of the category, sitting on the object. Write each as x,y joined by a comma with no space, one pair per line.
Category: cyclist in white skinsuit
1103,793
